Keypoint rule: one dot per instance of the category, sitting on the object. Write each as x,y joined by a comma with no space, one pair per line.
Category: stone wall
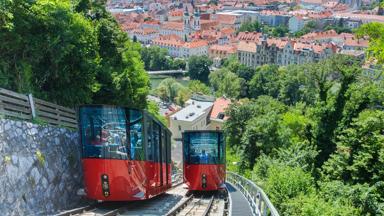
40,169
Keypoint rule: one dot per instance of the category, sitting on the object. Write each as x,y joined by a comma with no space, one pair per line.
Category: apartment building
178,48
281,51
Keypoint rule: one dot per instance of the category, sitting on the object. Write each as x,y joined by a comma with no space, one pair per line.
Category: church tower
186,21
196,20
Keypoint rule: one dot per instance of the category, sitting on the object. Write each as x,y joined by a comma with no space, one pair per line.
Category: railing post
32,105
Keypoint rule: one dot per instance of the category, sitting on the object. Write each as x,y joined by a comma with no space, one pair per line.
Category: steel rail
180,206
208,209
77,210
116,211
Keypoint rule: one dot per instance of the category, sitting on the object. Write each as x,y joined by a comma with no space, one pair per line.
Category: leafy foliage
172,91
198,68
69,52
375,31
154,109
309,27
195,86
226,83
250,27
312,134
156,58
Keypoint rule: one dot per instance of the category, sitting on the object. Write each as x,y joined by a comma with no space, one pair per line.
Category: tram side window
169,146
203,148
136,135
103,132
156,141
163,145
149,141
222,148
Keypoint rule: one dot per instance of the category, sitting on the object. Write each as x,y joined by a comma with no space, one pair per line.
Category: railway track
201,205
158,205
174,202
193,206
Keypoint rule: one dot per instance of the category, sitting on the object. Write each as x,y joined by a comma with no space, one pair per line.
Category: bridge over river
168,72
241,198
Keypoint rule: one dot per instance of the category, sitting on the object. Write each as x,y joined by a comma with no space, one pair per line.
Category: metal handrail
257,199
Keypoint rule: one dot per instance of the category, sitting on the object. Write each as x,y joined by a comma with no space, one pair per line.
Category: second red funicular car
204,160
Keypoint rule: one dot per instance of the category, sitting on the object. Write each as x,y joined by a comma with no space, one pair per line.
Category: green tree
302,83
280,31
177,63
198,68
57,62
155,58
309,27
265,81
285,183
70,52
375,31
314,205
121,77
250,27
172,91
225,83
154,109
332,101
360,151
195,86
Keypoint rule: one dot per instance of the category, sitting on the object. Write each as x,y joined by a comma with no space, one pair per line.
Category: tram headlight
204,181
105,185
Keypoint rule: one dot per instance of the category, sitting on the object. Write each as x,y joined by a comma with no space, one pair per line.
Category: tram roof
117,106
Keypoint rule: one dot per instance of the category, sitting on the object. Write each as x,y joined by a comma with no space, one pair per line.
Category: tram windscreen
203,147
103,132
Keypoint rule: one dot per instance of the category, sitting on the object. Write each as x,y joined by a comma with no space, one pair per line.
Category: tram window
149,141
163,145
136,135
103,132
201,148
156,141
169,146
221,149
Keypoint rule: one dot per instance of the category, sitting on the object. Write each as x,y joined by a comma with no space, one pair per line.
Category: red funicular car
204,160
126,153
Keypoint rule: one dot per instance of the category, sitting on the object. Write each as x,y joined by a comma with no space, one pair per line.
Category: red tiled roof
224,48
152,22
176,13
219,106
247,46
278,42
320,35
173,25
356,42
145,31
248,36
195,44
226,19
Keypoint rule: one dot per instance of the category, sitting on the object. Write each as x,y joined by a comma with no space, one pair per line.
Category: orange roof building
217,115
281,51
